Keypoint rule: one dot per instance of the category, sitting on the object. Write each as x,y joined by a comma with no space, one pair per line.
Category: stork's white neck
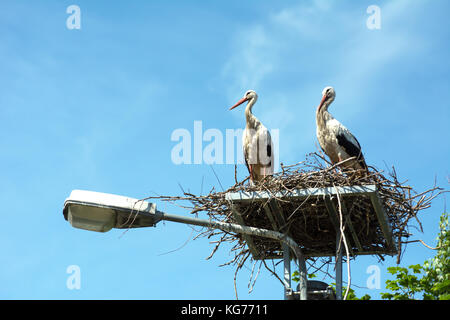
322,114
326,115
252,121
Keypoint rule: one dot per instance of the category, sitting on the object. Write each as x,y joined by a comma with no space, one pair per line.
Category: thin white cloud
304,19
252,61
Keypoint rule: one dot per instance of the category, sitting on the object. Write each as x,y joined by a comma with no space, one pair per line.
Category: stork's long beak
239,103
322,101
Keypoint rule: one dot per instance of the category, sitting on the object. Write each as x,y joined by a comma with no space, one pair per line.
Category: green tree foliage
406,284
435,281
438,268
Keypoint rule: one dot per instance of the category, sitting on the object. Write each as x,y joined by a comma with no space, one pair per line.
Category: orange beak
322,101
239,103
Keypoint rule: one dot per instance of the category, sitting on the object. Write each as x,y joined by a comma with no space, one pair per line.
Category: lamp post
101,212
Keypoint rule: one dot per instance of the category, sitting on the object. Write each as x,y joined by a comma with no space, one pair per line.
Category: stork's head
249,95
328,95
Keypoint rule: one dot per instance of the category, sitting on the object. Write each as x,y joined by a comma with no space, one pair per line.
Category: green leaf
444,296
416,268
387,296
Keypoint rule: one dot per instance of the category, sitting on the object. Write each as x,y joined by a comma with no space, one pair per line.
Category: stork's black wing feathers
351,149
269,147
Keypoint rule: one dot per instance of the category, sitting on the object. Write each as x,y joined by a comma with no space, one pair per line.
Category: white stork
336,140
256,141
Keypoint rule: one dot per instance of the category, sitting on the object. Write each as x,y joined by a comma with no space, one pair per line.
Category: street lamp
96,211
101,212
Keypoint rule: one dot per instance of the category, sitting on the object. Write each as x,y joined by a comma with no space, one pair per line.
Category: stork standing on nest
335,139
256,141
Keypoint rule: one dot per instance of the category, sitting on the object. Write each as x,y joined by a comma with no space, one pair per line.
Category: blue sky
95,108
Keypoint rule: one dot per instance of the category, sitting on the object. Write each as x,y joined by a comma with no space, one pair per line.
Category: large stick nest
307,221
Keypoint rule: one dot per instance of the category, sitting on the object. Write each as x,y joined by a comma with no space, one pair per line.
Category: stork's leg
337,168
251,171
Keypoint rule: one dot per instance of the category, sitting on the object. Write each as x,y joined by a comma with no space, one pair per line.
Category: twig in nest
272,271
250,283
341,228
218,180
184,244
421,241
